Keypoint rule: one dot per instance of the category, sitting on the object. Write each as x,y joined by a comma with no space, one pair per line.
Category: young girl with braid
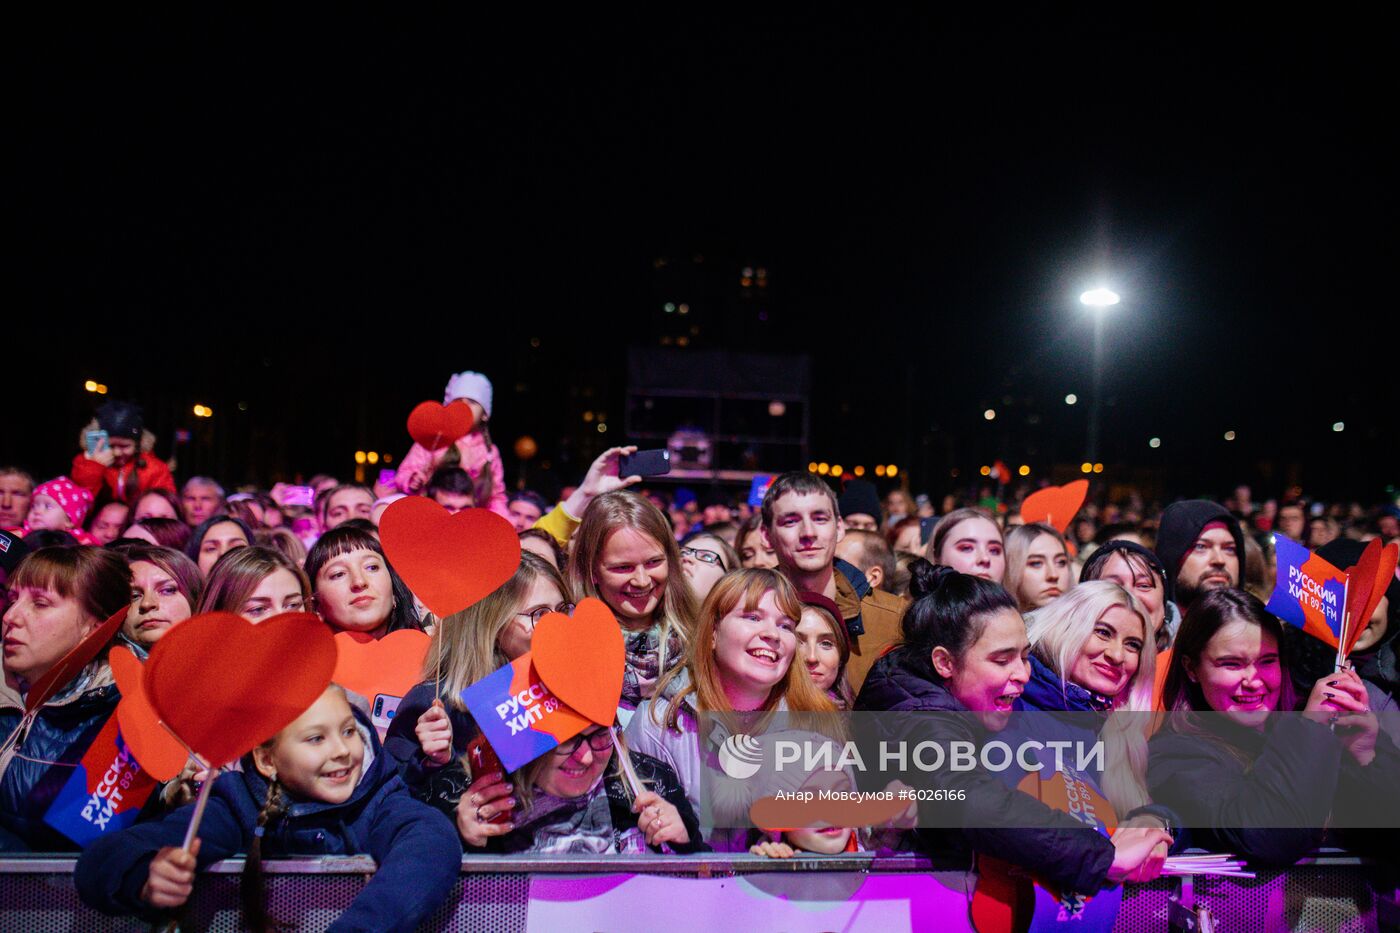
321,786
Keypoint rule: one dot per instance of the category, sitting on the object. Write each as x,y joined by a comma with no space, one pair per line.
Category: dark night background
323,219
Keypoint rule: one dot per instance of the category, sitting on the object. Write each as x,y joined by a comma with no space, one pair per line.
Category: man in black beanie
1200,543
860,506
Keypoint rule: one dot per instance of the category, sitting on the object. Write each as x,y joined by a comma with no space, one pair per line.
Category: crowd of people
821,600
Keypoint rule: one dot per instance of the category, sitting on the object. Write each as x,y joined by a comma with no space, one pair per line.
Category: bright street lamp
1098,299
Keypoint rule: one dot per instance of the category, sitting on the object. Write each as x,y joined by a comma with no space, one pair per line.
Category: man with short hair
860,506
452,489
802,524
525,508
344,502
1292,521
202,498
16,492
870,553
1201,543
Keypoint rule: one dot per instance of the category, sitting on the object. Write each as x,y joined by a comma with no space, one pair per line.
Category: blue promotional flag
105,793
1309,592
759,489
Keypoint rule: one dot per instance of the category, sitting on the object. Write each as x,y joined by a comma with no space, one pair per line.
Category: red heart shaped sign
580,658
1055,506
1367,580
225,685
435,426
448,561
72,663
389,665
160,755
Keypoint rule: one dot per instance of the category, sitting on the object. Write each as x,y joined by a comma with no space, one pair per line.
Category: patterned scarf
644,665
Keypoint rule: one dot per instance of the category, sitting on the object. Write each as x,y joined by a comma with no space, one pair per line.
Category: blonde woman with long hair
1092,653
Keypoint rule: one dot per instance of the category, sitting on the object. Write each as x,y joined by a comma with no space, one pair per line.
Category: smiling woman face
631,576
1109,658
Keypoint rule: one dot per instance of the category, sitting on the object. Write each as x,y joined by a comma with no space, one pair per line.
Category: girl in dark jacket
1249,781
964,652
58,597
321,786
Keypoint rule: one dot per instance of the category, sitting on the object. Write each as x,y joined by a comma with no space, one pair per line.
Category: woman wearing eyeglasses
704,559
432,725
575,800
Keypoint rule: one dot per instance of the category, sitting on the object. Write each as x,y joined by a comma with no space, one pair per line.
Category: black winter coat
1267,795
999,821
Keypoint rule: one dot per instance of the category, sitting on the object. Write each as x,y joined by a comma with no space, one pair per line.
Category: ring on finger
479,817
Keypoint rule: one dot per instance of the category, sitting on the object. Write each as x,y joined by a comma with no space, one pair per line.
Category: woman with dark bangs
353,587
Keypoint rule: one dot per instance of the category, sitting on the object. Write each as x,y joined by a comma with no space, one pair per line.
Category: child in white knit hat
475,453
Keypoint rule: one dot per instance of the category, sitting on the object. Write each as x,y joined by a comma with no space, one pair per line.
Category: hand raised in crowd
183,789
658,819
434,734
1138,854
171,876
770,849
602,477
487,797
1344,692
103,454
415,481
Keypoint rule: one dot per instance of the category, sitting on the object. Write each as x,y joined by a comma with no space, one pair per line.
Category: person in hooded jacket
473,453
59,596
119,464
321,786
1200,544
964,656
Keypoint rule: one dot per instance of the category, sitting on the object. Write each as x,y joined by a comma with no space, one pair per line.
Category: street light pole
1099,300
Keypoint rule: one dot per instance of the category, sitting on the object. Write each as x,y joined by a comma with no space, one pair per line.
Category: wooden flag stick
199,804
624,762
1342,639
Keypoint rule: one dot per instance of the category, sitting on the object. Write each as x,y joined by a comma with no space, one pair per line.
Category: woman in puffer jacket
964,656
58,596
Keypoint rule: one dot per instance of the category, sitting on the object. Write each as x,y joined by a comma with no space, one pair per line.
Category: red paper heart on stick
389,665
580,659
72,663
160,755
1055,506
225,685
448,561
1367,580
435,426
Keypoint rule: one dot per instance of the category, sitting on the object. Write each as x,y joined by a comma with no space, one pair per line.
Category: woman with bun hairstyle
1246,774
969,541
57,597
964,656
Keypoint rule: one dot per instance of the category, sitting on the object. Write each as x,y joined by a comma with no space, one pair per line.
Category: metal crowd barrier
1330,892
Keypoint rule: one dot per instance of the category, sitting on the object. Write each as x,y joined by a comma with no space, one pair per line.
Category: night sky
323,219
